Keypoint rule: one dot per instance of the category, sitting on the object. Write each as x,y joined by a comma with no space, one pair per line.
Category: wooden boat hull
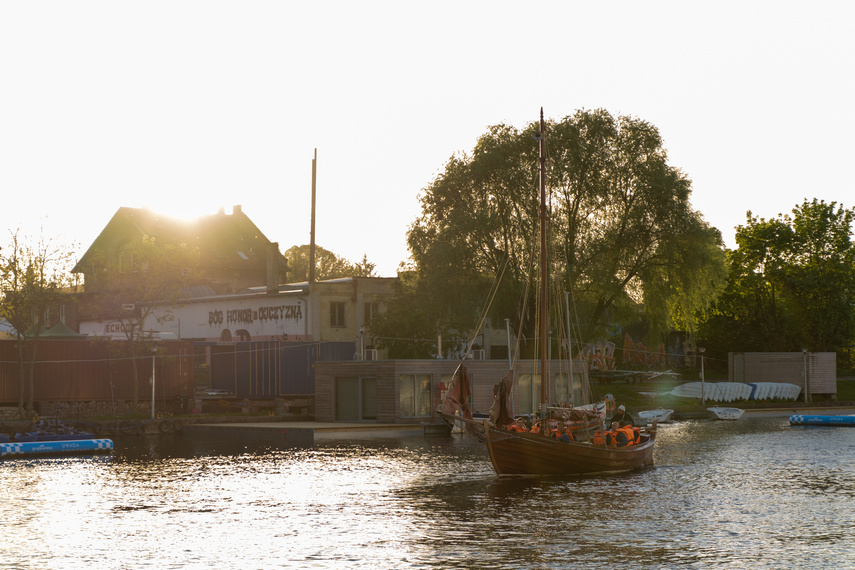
528,454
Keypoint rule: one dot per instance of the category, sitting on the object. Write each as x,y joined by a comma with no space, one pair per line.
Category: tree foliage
33,278
139,289
790,284
623,234
327,265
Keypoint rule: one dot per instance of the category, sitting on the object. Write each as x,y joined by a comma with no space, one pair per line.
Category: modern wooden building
408,391
814,372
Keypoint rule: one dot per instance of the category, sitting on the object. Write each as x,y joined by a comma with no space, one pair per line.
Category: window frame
418,389
338,314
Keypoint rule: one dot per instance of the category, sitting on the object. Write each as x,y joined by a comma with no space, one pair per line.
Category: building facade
408,391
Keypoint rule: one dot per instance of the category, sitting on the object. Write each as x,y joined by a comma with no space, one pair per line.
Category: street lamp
703,400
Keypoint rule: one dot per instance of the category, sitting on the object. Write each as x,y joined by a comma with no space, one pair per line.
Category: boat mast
543,304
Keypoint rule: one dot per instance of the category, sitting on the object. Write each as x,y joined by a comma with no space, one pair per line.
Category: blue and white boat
807,420
63,446
52,437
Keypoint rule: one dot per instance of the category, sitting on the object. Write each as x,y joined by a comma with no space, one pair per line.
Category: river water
755,493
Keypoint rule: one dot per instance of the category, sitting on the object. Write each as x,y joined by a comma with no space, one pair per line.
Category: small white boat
726,413
659,415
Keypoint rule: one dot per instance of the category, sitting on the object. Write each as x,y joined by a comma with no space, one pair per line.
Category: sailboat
516,453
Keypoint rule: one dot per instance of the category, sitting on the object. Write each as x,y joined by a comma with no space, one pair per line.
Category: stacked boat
735,391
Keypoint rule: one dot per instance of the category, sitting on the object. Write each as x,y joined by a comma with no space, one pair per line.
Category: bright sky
189,106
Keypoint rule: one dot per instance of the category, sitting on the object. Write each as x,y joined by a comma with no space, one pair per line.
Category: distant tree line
790,284
328,265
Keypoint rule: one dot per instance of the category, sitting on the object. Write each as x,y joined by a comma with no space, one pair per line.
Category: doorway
355,399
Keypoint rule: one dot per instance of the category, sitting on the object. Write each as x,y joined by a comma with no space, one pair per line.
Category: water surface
755,493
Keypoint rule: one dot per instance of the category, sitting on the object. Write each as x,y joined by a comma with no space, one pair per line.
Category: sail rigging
566,439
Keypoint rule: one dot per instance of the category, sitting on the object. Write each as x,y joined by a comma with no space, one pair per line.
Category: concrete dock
306,433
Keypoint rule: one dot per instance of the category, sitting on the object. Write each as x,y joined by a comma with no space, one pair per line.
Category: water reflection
754,493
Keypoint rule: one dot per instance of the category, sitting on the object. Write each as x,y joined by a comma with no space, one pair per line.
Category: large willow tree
623,235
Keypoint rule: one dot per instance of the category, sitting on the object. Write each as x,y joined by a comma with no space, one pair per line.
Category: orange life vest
630,435
611,437
599,438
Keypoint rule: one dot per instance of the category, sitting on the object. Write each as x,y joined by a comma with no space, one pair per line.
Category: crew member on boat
518,425
563,433
611,434
627,435
621,415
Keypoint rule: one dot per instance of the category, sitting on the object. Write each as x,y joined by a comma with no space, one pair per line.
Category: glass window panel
369,398
423,394
407,402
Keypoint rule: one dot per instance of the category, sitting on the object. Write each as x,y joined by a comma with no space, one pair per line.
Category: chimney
236,209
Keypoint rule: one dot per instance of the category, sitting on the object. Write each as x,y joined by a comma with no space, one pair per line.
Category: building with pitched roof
233,253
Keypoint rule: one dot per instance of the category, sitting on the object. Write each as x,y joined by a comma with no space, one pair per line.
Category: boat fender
177,425
165,426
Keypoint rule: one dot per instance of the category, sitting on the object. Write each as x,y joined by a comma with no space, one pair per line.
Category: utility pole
312,234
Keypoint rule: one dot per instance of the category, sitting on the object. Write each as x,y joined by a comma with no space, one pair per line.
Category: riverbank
657,394
636,397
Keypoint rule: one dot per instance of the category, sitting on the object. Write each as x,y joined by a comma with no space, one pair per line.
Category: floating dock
61,447
306,433
805,420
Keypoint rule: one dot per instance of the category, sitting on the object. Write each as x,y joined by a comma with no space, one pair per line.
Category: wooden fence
86,370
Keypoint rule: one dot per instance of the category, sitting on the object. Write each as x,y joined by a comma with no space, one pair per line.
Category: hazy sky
187,107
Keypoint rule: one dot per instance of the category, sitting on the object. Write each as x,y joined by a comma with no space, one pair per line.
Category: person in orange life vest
621,415
599,438
565,434
625,435
560,433
611,435
636,432
535,428
518,426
